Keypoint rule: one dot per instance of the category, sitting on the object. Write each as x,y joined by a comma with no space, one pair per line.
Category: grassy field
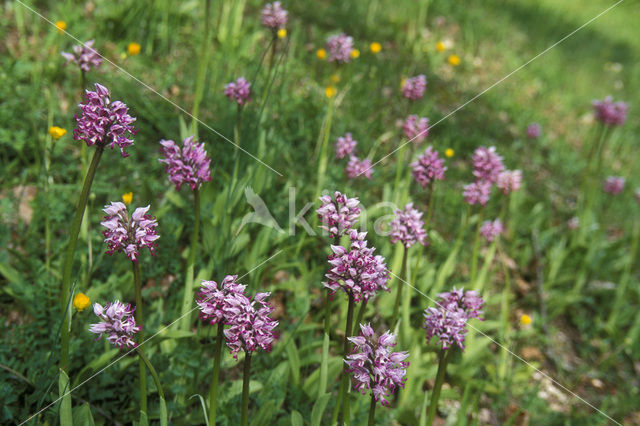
575,362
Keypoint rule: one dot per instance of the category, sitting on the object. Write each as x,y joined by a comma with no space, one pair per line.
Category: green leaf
204,408
82,415
66,414
95,365
144,421
296,418
265,414
294,361
318,409
163,412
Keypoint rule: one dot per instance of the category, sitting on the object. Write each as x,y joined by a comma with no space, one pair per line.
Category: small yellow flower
123,56
321,54
355,53
403,81
282,33
449,152
330,91
61,26
454,60
57,132
133,49
127,197
81,302
375,47
335,78
440,46
525,319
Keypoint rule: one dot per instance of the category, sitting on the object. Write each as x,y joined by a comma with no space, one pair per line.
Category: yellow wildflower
57,132
525,319
355,53
123,56
335,78
321,54
330,91
61,26
127,197
440,46
454,60
449,152
81,302
133,49
375,47
282,33
403,81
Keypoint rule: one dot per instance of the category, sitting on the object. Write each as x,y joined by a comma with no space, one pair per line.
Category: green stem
140,323
506,294
476,246
344,391
202,67
363,308
238,128
213,391
324,363
187,300
396,306
245,388
65,296
372,411
443,357
156,380
432,200
399,168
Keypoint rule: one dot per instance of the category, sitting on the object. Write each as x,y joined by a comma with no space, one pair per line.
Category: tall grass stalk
202,67
324,148
476,246
396,305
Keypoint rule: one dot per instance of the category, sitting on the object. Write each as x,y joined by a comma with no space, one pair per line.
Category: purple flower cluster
534,130
274,16
338,213
414,87
339,48
345,145
129,235
614,185
215,303
407,227
490,230
428,167
103,122
375,366
448,321
487,164
509,181
357,271
477,193
415,128
251,327
187,165
85,56
117,323
238,91
357,167
610,113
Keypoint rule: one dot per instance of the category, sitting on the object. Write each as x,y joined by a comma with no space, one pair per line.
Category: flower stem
238,128
187,300
432,200
213,390
65,296
156,380
476,246
344,390
140,323
396,306
443,357
372,410
324,363
245,388
363,309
